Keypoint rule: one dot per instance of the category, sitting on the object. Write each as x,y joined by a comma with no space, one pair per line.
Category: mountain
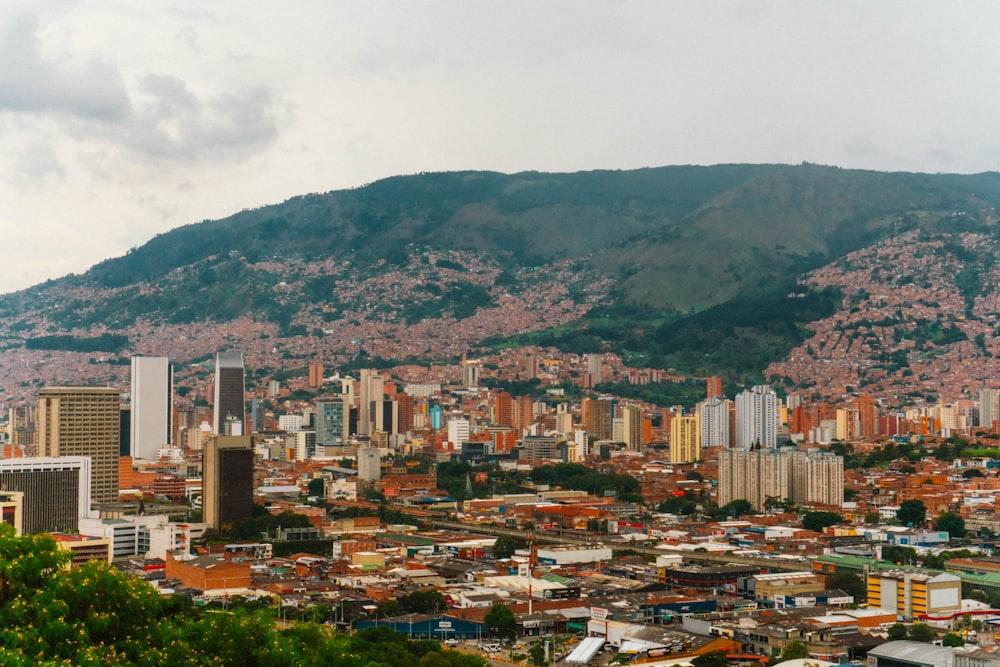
673,266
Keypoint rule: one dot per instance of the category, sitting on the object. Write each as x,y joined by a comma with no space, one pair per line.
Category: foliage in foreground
95,615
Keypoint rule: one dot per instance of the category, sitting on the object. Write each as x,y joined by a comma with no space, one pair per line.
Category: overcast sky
121,119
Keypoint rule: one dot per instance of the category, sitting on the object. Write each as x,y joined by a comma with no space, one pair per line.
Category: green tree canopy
921,632
794,650
951,639
818,521
504,547
911,512
711,659
897,631
500,622
850,583
951,522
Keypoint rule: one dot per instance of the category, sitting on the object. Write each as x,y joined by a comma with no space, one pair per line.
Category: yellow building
685,439
909,593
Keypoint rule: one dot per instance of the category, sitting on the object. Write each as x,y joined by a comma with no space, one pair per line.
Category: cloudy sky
120,119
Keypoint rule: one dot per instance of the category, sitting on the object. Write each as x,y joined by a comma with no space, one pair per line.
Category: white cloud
119,120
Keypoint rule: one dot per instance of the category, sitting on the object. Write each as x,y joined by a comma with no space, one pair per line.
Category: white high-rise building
713,416
989,407
370,390
369,464
582,444
458,432
152,406
757,418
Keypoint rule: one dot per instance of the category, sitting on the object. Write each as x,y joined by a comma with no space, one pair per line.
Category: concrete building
370,390
713,421
230,393
227,480
458,432
685,439
757,418
152,408
56,491
802,477
333,416
989,407
83,421
632,427
369,464
910,593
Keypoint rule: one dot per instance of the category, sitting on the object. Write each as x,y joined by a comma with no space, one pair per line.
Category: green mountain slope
619,259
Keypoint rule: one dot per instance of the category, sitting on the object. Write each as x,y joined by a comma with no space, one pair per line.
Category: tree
921,632
316,487
794,650
537,653
897,631
951,639
500,621
911,512
503,547
951,522
737,508
818,521
711,659
873,518
850,584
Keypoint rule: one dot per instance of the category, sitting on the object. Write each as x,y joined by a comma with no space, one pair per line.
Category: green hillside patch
102,343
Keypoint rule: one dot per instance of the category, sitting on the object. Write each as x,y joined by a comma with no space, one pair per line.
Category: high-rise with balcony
152,406
685,439
713,422
83,421
230,393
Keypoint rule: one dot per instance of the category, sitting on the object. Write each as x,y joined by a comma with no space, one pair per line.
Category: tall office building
989,407
685,439
386,417
632,427
22,428
405,407
230,393
458,432
470,372
865,413
315,374
332,421
227,480
504,409
757,418
713,422
802,477
597,417
152,410
83,421
56,491
713,386
370,391
593,370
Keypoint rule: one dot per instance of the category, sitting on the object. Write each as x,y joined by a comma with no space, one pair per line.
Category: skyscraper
757,418
370,390
632,427
332,421
713,419
83,421
685,439
230,391
152,406
989,407
227,479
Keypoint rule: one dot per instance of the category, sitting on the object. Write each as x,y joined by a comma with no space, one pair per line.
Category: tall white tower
757,418
152,406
